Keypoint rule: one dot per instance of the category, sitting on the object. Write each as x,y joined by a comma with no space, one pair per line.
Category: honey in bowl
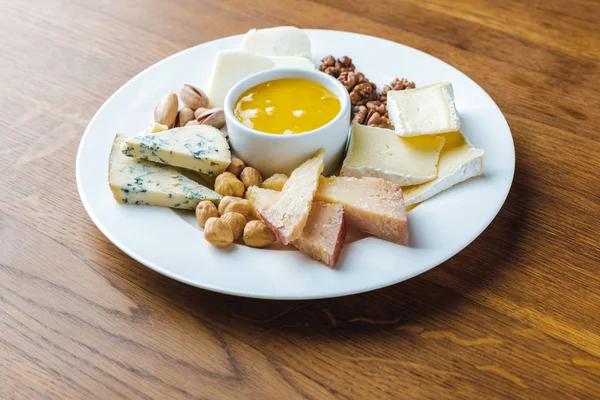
286,106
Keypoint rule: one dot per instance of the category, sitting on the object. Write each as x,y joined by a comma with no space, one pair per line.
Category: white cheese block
459,161
200,148
278,41
380,153
429,110
229,68
146,183
292,62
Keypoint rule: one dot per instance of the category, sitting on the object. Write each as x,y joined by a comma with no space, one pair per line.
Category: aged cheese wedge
380,153
288,216
371,205
229,68
278,41
423,111
292,62
325,230
135,181
459,161
200,148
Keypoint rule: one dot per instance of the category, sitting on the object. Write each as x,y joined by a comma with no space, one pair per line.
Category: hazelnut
193,97
184,116
225,202
205,210
275,182
242,206
258,234
236,166
165,112
228,184
236,222
251,177
217,232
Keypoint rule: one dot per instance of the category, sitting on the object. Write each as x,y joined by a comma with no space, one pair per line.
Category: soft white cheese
229,68
459,161
146,183
292,62
380,153
278,41
199,148
428,110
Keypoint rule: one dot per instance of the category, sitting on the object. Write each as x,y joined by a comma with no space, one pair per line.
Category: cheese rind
380,153
429,110
230,67
200,148
278,41
459,161
325,230
134,181
371,205
292,62
287,217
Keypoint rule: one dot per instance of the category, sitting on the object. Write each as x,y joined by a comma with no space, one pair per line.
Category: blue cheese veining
135,181
199,148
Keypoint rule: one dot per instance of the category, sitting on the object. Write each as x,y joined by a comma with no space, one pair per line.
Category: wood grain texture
514,315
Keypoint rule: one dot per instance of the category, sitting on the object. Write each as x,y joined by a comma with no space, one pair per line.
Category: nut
213,117
241,206
236,166
205,210
251,177
228,184
275,182
165,112
226,202
217,232
184,116
236,222
258,234
192,122
199,112
193,97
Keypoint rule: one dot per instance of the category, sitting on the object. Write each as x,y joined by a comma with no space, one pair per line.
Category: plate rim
248,294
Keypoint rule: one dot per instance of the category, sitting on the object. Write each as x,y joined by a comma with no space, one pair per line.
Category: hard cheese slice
459,161
143,182
380,153
288,216
371,205
278,41
200,148
325,230
230,67
423,111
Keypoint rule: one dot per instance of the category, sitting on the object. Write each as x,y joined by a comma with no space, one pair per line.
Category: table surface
514,315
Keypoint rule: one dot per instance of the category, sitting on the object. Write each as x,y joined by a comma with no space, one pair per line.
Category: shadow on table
405,306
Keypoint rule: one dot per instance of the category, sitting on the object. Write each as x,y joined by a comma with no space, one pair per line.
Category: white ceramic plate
170,243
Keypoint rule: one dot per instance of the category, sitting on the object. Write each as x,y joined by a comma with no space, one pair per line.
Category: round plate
170,243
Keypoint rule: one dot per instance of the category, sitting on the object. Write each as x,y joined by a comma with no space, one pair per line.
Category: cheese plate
170,242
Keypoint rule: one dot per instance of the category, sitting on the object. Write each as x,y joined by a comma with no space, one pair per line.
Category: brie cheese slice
429,110
459,161
229,68
380,153
278,41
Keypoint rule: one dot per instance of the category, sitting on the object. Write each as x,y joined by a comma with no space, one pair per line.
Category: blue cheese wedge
380,153
429,110
459,161
199,148
146,183
279,41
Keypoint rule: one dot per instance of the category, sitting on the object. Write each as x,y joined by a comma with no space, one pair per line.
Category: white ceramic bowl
272,154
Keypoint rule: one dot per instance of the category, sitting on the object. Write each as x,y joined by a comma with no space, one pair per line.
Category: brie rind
429,110
380,153
459,161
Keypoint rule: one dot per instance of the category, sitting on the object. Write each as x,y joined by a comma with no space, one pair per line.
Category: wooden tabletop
514,315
